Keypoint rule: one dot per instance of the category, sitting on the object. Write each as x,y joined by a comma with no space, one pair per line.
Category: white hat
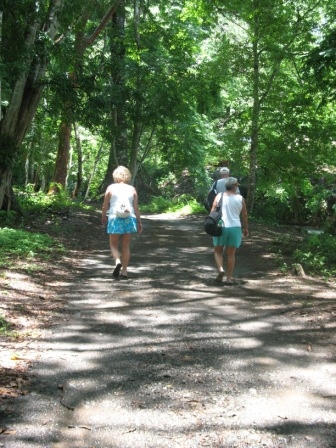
224,170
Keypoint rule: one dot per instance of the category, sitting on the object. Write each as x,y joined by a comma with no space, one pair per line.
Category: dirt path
171,359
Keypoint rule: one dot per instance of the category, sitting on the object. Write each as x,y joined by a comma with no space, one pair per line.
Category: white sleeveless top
122,197
231,208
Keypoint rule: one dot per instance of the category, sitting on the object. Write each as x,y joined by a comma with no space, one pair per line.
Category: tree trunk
137,121
24,100
118,148
81,44
61,166
133,165
79,181
7,197
254,123
97,159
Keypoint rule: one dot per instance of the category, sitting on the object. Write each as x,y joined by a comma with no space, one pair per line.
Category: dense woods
172,89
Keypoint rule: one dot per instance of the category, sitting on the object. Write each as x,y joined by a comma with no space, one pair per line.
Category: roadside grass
315,253
5,327
29,242
18,245
24,238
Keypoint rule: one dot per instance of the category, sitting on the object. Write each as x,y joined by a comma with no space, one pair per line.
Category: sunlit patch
246,343
254,326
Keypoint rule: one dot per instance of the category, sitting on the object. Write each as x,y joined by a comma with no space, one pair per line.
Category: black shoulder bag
212,226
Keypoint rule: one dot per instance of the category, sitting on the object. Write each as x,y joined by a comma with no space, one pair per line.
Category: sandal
116,271
219,277
233,283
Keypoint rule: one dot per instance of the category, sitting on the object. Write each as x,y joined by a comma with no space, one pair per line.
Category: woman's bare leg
114,246
231,260
125,252
218,254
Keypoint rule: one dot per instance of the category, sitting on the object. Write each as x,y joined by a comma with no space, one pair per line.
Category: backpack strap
219,205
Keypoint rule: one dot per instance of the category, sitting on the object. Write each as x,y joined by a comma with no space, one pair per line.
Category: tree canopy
172,89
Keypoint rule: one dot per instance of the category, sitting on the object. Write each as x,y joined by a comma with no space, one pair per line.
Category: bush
184,204
8,218
318,255
32,201
22,244
4,326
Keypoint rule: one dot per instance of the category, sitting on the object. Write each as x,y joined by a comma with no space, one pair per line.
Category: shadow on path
171,359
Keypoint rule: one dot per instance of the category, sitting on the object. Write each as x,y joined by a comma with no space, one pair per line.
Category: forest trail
170,359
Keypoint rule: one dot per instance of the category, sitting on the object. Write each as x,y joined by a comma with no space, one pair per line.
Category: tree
154,87
82,43
267,35
25,56
321,63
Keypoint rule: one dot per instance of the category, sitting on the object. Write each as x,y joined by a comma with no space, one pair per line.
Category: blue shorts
231,237
119,226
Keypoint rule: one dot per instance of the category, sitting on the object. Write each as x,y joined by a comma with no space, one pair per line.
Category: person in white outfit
121,213
233,206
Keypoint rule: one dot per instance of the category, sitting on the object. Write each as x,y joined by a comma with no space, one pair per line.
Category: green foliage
321,63
317,255
18,244
188,83
181,205
273,206
284,205
4,326
32,201
317,205
22,245
8,218
41,204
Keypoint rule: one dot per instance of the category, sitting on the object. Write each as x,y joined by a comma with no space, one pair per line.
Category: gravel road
170,359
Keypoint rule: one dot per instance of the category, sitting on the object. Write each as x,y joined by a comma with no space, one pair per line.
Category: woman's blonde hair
122,174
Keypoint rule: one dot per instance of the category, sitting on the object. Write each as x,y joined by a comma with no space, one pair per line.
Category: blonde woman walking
121,214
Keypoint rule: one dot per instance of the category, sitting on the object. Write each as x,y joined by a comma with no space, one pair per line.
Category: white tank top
231,208
122,195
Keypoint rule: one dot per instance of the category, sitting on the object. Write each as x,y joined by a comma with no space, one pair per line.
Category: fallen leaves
17,357
28,303
13,383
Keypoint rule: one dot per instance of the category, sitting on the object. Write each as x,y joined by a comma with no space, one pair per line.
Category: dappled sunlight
245,343
171,353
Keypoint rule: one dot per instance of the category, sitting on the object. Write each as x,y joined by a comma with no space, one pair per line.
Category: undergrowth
18,244
317,255
183,205
4,326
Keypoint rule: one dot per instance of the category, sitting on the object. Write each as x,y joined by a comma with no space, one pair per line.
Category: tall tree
117,107
268,34
29,28
82,43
